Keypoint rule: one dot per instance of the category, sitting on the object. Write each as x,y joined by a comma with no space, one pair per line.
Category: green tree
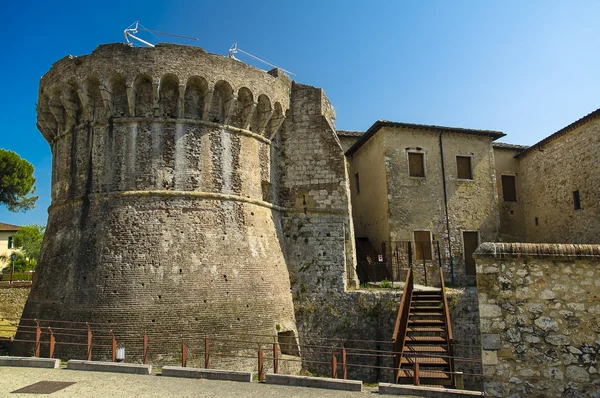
29,239
16,182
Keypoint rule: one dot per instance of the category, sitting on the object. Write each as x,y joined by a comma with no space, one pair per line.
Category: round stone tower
162,214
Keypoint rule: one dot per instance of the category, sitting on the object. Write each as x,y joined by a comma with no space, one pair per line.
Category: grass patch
7,330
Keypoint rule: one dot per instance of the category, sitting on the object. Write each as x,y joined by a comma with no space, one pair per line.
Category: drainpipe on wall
446,208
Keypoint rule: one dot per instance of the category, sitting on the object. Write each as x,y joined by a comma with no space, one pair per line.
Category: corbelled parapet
164,209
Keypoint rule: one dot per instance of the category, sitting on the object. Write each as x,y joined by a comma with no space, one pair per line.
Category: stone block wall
550,173
540,329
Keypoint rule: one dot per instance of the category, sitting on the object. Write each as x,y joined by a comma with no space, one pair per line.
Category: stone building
421,183
190,191
193,192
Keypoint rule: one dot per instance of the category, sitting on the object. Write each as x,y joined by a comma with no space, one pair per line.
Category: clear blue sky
527,68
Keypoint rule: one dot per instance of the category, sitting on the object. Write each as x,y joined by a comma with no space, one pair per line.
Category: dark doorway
470,242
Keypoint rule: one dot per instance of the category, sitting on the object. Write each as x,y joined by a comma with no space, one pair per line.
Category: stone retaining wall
539,307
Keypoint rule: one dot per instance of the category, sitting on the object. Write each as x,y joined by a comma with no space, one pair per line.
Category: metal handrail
398,338
448,329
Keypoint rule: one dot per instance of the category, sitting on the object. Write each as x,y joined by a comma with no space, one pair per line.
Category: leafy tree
16,182
21,263
29,239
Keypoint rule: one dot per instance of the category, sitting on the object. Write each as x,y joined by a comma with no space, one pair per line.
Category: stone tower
174,190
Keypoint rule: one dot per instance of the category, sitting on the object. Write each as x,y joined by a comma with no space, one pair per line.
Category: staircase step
425,330
424,348
431,291
419,313
426,340
436,298
425,322
427,308
425,361
425,303
406,376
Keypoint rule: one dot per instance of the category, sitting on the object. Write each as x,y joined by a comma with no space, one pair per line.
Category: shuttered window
416,164
463,166
423,245
509,189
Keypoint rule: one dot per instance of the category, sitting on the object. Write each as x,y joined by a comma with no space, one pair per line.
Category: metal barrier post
89,342
38,335
275,357
183,354
145,348
206,353
344,362
261,368
459,380
52,342
114,347
333,366
416,375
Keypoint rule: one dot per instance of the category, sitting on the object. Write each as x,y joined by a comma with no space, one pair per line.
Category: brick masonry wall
540,330
162,216
548,178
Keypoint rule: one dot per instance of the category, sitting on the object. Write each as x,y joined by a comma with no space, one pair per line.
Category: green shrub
385,284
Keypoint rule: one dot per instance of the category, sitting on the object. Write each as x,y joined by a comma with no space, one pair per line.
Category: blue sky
527,68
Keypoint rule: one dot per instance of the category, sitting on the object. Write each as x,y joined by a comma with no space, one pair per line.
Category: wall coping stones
537,250
211,374
422,391
30,362
117,367
316,382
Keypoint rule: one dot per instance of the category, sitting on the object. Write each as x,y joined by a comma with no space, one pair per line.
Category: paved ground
113,385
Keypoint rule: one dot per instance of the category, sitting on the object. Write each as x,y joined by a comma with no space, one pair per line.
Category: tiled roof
505,145
386,123
8,227
564,130
350,133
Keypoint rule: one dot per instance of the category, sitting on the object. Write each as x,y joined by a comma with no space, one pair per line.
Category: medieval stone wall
539,307
163,211
550,174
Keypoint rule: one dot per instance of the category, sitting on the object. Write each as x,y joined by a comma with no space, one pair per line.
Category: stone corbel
58,112
107,99
155,94
277,123
70,110
131,99
181,102
88,113
207,103
263,119
249,112
229,108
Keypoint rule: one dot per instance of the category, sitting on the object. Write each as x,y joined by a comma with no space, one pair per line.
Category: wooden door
470,242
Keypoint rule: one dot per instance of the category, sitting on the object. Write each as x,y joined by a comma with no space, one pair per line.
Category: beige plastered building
459,188
7,248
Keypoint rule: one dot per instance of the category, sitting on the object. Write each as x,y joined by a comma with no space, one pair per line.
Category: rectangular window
357,181
576,200
509,189
463,167
537,221
416,164
423,245
10,242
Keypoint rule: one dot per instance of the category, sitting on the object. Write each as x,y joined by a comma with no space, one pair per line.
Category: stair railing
399,336
450,349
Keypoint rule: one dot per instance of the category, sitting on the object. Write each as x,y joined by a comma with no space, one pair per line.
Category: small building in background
7,246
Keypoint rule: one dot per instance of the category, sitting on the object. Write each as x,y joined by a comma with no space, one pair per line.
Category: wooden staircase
423,337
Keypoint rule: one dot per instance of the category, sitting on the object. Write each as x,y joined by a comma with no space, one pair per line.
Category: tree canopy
17,184
29,239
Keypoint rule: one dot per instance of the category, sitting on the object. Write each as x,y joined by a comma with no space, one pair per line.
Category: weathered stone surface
549,340
490,341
